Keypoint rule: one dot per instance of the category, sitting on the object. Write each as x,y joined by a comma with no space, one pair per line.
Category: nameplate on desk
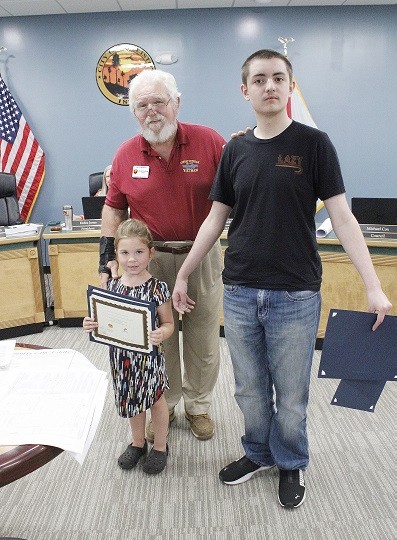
380,235
378,228
87,225
376,231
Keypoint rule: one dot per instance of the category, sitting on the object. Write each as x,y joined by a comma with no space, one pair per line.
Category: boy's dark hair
266,54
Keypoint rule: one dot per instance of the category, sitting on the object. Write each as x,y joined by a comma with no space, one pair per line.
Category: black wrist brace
106,253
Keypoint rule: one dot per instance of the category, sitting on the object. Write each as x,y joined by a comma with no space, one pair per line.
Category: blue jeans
271,336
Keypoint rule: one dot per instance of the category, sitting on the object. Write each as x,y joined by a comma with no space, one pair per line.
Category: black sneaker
291,489
240,471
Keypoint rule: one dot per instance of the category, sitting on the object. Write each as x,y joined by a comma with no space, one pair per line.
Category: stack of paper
25,229
53,397
7,348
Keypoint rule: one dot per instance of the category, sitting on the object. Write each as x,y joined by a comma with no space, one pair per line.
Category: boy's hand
378,303
181,301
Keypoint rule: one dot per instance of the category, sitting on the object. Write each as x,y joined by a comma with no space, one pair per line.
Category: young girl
139,380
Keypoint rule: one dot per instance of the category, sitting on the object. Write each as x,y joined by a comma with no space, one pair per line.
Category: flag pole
285,41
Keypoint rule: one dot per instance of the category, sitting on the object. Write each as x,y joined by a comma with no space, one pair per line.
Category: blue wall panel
342,58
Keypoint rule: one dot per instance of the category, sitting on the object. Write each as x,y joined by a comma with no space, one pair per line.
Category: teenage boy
271,178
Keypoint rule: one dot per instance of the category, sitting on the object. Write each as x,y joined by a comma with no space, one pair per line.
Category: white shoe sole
247,476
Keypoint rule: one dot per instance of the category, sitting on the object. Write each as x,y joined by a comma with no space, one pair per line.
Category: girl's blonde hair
134,228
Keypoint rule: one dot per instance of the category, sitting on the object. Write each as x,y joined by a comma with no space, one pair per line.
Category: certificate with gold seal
123,321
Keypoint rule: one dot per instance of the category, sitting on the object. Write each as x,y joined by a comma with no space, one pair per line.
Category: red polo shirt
171,198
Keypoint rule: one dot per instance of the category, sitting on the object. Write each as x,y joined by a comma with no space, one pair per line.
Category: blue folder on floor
362,358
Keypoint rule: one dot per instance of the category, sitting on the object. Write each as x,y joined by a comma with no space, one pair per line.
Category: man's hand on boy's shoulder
239,133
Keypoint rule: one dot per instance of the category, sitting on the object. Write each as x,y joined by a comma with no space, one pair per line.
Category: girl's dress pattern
139,379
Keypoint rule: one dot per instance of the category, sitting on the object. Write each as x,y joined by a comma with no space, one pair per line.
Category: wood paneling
21,291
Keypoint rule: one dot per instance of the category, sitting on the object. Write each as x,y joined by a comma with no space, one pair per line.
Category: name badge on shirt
140,171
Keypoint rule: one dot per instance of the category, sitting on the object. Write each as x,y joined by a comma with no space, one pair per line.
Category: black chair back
9,209
95,183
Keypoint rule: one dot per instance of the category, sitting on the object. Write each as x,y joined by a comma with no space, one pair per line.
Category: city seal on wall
117,67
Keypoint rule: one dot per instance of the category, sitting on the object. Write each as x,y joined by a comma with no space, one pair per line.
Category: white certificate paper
123,321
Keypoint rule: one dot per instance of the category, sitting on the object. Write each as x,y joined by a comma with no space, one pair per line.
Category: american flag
20,153
297,108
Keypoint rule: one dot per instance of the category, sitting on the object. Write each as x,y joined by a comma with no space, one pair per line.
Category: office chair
95,182
9,209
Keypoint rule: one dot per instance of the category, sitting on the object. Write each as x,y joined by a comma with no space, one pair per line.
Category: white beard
166,133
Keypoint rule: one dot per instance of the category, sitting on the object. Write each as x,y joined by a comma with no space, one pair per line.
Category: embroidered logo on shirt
190,165
292,162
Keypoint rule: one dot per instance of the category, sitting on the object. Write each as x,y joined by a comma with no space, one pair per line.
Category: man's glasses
158,105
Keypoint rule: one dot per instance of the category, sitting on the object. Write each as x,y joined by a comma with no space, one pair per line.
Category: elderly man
164,176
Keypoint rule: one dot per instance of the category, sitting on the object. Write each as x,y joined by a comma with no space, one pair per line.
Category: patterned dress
139,379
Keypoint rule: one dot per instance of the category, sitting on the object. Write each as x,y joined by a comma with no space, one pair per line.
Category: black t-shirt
273,186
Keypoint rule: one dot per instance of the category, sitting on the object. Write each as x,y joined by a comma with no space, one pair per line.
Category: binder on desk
362,358
123,321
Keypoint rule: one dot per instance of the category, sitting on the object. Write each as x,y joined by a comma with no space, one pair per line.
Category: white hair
152,76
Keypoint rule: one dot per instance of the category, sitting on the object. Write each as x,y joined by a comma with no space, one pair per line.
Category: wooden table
74,263
18,461
21,287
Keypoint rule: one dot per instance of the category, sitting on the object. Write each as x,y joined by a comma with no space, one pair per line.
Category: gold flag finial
285,41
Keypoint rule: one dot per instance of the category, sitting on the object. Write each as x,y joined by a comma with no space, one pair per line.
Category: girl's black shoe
131,456
155,462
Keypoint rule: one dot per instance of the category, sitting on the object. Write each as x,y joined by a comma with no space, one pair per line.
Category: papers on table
53,397
123,321
6,351
25,229
362,358
324,229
